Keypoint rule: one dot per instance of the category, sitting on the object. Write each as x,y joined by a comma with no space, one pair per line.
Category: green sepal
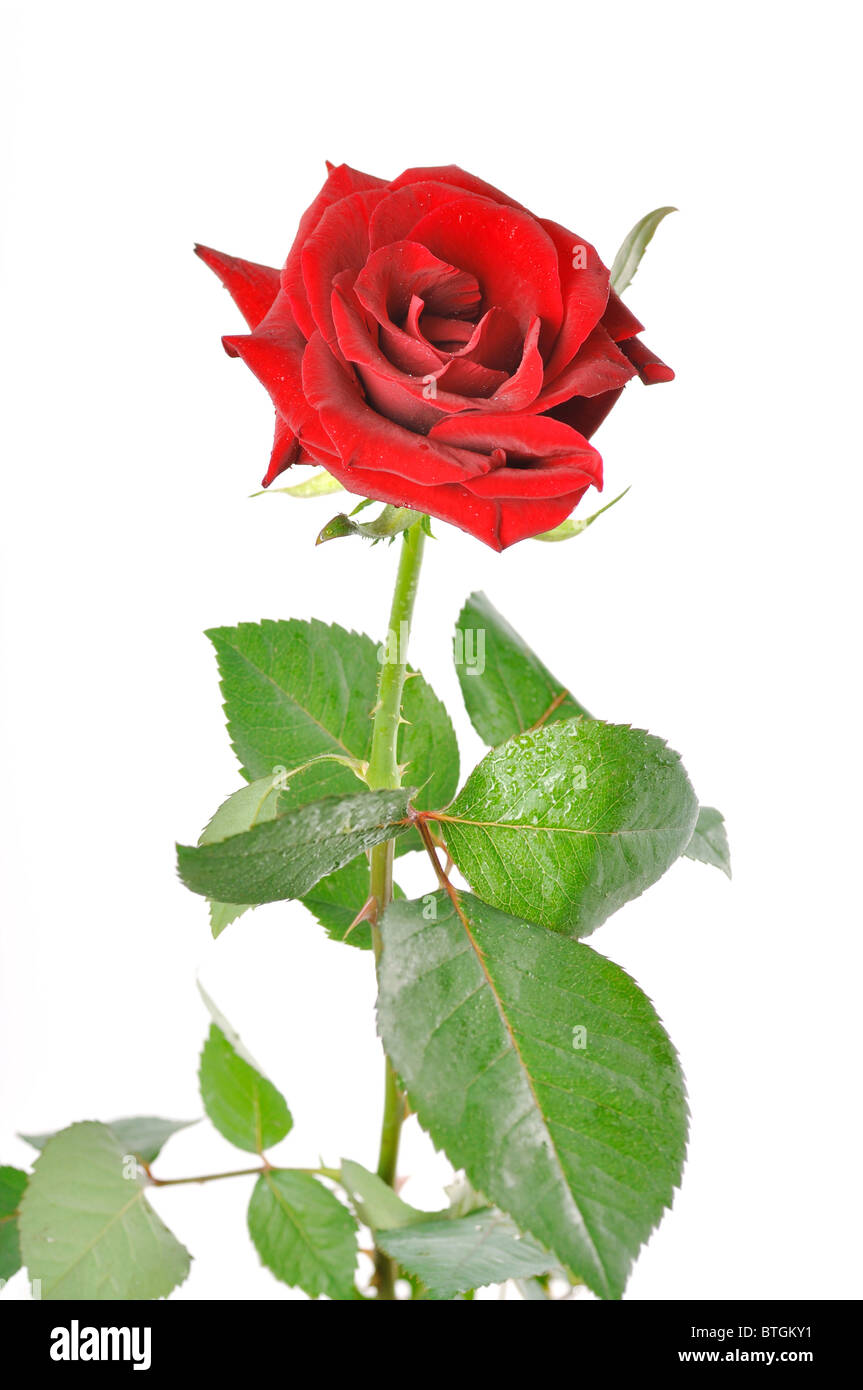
388,524
633,247
319,485
573,526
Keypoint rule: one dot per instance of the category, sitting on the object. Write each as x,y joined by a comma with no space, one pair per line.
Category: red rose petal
367,440
618,321
339,242
527,438
547,478
650,368
397,213
410,198
469,379
410,354
342,180
478,516
429,331
499,522
274,353
398,393
358,335
252,287
585,295
398,397
496,342
523,519
415,402
586,413
454,177
524,386
445,335
511,256
394,275
285,451
598,366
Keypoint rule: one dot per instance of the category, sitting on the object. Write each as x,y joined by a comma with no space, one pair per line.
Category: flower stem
384,773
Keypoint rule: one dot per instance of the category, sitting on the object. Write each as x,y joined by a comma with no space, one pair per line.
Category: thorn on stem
367,913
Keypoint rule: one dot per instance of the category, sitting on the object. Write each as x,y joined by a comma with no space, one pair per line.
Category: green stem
384,772
333,1173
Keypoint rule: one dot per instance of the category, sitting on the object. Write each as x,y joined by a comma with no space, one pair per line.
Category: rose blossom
434,345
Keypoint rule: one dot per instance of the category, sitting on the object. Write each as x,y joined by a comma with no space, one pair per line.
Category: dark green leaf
507,689
628,258
564,825
428,752
285,857
142,1135
243,1105
334,900
294,690
304,1234
514,692
451,1255
542,1070
13,1184
709,843
87,1230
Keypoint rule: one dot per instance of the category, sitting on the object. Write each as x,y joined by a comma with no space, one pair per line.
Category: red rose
434,345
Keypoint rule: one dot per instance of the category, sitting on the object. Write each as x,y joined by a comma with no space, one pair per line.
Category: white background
717,605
